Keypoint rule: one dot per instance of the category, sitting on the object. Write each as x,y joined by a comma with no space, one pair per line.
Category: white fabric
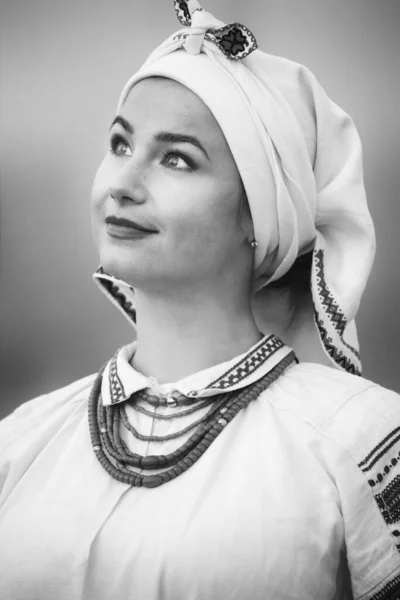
300,159
269,511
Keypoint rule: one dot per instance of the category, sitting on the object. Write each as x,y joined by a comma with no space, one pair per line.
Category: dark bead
162,460
195,453
216,429
175,472
150,462
175,454
152,481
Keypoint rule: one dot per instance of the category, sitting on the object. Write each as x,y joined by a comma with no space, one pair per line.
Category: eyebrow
164,136
124,123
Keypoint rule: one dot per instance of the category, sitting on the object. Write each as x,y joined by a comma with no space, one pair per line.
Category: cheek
99,195
206,216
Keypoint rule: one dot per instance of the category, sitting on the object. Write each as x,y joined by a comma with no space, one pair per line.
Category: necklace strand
118,449
171,436
172,415
116,446
104,426
179,399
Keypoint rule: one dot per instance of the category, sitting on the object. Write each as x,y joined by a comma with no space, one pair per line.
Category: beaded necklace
114,455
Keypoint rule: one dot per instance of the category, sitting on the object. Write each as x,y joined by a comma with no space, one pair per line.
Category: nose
128,183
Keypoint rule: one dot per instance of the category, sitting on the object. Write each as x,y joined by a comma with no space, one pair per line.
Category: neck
177,337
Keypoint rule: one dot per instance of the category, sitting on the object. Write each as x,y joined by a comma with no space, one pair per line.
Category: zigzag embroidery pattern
117,391
391,591
338,356
332,308
249,363
114,291
337,317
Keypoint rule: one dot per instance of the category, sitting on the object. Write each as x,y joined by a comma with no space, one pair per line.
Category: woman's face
169,169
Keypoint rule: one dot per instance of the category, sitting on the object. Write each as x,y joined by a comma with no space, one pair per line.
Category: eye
174,160
119,146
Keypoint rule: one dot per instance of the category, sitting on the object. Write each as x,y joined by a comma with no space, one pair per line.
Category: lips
122,222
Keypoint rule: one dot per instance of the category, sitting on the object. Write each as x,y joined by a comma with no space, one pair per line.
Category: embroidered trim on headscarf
335,316
235,40
182,12
337,355
115,292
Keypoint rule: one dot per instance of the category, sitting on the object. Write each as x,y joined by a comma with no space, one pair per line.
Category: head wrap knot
235,40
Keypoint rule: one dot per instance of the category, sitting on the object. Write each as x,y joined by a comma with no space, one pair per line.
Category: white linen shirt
298,498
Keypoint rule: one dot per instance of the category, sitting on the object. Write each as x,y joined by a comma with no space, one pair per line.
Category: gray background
62,67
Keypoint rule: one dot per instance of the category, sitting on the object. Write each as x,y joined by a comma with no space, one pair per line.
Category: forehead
164,104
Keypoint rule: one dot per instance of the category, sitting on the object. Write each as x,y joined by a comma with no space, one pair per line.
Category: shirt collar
121,380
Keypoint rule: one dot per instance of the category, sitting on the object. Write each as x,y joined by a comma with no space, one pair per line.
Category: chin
135,271
119,264
143,270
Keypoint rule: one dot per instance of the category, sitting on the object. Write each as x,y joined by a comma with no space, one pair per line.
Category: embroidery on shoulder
382,467
390,591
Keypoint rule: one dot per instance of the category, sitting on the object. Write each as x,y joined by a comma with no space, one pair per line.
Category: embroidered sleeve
367,428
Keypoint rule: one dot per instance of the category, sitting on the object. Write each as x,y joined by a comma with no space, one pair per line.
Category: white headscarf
300,160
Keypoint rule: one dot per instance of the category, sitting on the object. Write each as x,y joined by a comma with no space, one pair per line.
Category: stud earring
253,244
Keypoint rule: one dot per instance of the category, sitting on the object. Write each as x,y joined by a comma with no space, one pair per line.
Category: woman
233,450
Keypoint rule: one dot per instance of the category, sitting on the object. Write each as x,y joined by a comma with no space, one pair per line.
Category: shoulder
39,412
317,393
361,417
358,422
353,411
